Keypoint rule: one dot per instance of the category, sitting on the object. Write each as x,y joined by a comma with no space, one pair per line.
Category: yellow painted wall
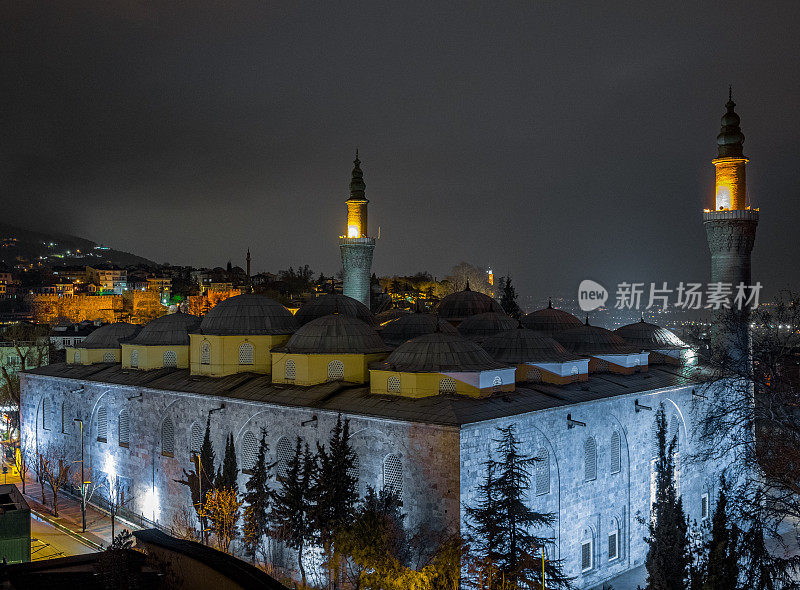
731,177
311,369
225,354
424,384
152,357
90,356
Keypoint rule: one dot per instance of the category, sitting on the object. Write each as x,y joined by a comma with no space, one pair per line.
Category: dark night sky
554,142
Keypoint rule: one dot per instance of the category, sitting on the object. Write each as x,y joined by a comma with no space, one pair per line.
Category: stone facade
357,267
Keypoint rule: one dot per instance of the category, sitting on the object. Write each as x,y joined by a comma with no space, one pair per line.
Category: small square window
704,507
613,546
586,556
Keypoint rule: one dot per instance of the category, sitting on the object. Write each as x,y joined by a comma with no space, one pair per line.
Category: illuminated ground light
150,504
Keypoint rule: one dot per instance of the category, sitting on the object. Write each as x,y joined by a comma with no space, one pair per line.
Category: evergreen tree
501,524
293,504
722,562
205,470
228,475
668,557
256,514
508,300
760,569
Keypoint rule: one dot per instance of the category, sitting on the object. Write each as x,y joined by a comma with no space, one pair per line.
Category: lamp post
83,484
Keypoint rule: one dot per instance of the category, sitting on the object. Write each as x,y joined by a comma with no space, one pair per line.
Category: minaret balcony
365,240
731,214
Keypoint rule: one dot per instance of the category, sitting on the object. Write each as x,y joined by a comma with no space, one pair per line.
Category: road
48,542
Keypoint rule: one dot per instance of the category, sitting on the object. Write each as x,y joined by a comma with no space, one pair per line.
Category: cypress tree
508,301
722,565
228,477
206,473
256,514
760,569
668,557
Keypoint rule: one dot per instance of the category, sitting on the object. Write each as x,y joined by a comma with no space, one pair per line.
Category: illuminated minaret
356,246
731,231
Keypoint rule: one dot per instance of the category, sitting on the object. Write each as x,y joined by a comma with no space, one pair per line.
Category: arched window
393,384
246,354
167,438
497,384
447,385
283,454
534,374
65,422
393,474
249,451
613,539
76,358
587,550
290,370
170,358
102,424
124,428
45,414
574,370
601,366
135,358
542,471
589,459
196,436
335,371
109,357
205,353
616,453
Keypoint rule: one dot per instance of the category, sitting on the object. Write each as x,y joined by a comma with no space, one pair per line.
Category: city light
352,231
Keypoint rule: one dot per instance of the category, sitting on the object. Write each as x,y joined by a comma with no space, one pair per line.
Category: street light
83,484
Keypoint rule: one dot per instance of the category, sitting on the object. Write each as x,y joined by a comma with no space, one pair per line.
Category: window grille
574,370
534,374
586,556
497,383
674,433
447,385
393,474
704,507
64,418
335,371
196,438
291,370
102,424
249,451
167,438
170,358
613,545
205,353
246,354
393,384
135,358
543,472
601,366
590,460
109,357
76,358
45,414
616,453
283,454
124,428
355,469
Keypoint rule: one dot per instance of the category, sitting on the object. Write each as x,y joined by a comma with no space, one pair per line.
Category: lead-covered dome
438,352
109,336
168,330
248,314
587,340
410,326
333,303
461,305
649,336
526,346
550,320
337,333
480,326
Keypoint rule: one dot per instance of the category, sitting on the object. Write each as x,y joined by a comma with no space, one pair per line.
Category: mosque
423,393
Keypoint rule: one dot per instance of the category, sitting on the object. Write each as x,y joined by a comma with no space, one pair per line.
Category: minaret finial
357,184
467,287
730,97
587,319
549,303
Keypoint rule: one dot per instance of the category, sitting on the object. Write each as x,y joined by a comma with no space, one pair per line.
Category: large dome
109,336
480,326
438,352
461,305
650,336
526,346
587,340
333,304
248,314
335,333
413,325
168,330
550,320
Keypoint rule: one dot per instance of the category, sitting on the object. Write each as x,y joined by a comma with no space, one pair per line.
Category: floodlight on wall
638,407
573,423
313,419
211,411
136,396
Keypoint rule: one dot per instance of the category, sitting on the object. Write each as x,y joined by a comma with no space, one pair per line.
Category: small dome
109,336
650,336
587,340
526,346
438,352
550,320
337,333
410,326
461,305
333,304
477,327
171,329
248,314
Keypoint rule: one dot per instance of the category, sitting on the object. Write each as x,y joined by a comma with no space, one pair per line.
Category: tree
257,497
56,467
508,300
463,274
24,456
221,509
722,561
293,507
31,344
501,524
205,471
228,477
668,557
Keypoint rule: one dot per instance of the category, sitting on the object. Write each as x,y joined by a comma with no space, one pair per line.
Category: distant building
110,279
66,335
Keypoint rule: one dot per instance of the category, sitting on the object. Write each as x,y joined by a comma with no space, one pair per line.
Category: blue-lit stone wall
357,267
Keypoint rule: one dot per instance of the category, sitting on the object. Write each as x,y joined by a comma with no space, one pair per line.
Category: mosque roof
336,333
109,336
526,346
412,325
170,329
463,304
248,314
550,320
436,352
477,327
588,340
650,336
333,303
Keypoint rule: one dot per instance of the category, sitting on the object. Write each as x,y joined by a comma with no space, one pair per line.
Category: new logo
591,295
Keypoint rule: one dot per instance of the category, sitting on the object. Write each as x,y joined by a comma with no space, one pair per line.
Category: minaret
249,279
731,231
355,246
